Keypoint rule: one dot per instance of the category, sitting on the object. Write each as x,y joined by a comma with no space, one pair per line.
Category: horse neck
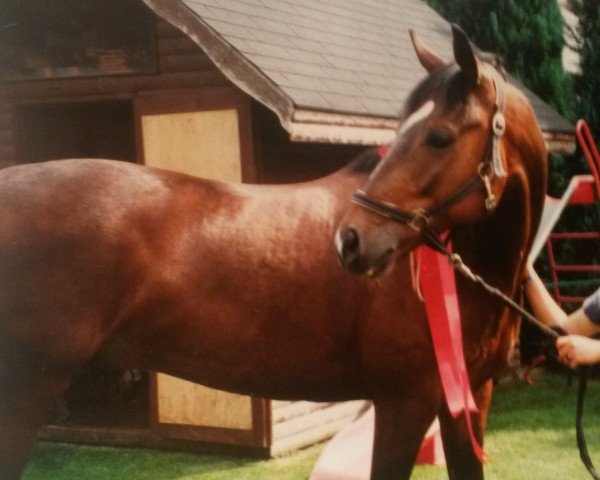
497,247
494,249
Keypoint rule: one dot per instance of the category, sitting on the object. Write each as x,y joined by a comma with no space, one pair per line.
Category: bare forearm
543,305
549,312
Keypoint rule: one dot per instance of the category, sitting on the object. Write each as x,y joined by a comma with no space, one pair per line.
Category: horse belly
277,318
246,347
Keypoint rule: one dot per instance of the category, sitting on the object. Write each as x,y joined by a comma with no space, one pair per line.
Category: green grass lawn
531,436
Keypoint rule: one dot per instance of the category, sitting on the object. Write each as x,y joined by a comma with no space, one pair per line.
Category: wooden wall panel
299,424
186,403
178,53
202,134
8,135
189,142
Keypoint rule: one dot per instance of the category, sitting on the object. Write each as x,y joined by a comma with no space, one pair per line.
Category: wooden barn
262,91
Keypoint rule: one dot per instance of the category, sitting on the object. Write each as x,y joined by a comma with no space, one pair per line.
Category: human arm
576,348
549,312
543,305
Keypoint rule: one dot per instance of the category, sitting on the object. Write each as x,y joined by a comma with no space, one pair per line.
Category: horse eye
438,139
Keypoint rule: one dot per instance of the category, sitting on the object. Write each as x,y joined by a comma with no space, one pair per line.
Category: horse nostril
350,240
350,243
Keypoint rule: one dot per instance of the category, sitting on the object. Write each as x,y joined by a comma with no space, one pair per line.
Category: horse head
464,135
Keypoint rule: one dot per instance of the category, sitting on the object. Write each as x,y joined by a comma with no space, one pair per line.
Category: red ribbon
438,287
383,150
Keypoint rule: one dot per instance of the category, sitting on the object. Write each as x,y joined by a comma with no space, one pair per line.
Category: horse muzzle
358,258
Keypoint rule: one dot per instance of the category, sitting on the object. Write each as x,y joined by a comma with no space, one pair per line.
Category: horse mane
365,162
494,59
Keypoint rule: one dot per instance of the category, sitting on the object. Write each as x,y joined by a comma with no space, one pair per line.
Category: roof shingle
346,56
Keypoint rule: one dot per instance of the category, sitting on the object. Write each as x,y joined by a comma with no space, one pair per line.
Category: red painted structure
583,190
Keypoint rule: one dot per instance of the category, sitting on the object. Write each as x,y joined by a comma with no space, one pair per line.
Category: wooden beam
111,85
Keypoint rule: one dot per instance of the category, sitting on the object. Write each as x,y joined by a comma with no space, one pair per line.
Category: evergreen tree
587,89
587,85
527,34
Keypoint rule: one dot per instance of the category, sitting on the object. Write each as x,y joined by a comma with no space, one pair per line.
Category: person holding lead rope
576,348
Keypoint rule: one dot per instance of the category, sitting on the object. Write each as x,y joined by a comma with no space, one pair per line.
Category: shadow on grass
56,461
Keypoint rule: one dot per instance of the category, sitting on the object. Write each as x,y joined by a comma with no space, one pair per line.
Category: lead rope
419,220
465,271
584,375
433,240
583,372
436,242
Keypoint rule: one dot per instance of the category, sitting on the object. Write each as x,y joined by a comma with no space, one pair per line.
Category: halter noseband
420,218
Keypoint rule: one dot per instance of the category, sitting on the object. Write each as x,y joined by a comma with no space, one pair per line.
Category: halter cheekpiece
490,167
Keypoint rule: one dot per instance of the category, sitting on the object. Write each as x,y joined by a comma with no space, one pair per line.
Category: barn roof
347,65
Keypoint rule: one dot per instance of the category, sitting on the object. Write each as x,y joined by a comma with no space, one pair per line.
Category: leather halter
491,165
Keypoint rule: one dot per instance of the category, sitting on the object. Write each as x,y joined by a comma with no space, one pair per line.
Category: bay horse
237,287
469,158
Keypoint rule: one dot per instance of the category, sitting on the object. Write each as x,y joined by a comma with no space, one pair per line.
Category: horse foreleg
461,461
25,401
400,425
18,431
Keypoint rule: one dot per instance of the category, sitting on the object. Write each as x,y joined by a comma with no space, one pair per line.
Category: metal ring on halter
420,220
499,124
485,169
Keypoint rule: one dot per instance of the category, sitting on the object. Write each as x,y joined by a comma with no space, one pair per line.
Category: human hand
576,350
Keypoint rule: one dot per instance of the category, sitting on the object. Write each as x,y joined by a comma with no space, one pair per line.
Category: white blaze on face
416,117
339,245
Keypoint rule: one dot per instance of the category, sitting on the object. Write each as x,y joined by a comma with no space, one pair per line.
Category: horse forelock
447,84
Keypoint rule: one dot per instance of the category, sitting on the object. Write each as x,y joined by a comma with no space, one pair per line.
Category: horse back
151,267
67,252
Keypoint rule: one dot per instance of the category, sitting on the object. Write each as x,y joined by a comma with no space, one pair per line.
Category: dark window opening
105,397
77,130
74,38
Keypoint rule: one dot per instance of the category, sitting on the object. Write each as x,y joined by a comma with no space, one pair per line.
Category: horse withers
469,157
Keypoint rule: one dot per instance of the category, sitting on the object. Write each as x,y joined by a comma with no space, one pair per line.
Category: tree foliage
587,39
527,34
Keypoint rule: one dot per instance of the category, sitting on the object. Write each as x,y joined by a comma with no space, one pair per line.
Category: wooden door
207,134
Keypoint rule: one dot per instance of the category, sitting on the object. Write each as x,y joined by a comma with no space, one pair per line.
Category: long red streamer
438,287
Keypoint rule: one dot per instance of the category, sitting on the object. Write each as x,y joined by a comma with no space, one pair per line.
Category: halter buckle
420,220
485,172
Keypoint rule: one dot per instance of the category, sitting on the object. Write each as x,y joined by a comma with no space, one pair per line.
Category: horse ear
427,57
465,55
